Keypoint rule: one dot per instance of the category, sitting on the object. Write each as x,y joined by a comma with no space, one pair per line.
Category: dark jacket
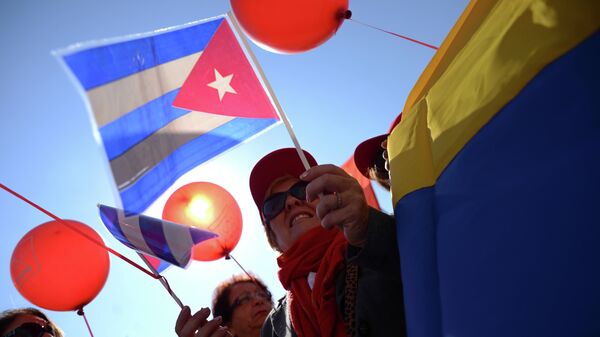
379,306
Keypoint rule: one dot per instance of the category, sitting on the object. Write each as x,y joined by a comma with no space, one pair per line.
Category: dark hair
220,303
9,316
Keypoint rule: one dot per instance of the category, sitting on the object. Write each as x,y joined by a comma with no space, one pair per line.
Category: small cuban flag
168,241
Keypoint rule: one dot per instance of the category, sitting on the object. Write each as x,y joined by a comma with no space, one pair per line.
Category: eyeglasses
276,202
249,296
30,330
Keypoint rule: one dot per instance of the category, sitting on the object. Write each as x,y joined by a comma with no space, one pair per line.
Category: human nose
291,201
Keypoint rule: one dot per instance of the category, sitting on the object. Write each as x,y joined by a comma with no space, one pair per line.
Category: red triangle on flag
223,81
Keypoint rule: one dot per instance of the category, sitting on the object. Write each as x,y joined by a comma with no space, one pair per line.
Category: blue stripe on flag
154,236
110,219
122,134
97,66
142,193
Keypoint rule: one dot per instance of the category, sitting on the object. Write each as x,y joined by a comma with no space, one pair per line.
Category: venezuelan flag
496,175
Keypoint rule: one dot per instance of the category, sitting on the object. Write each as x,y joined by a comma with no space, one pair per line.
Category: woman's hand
198,326
341,201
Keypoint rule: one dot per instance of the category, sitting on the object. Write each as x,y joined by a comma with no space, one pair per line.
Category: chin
304,227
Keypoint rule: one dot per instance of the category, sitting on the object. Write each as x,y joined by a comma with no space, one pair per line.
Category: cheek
240,317
278,227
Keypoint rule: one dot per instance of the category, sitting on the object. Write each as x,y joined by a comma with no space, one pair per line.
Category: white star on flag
222,84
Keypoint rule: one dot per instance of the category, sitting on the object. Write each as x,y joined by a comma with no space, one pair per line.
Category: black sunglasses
30,330
276,202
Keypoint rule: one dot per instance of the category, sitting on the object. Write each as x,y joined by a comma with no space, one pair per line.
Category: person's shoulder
282,302
278,323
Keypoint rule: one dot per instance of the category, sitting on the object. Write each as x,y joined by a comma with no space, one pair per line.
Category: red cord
110,250
397,35
81,313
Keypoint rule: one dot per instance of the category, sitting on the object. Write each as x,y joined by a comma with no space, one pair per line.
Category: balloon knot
80,311
227,257
348,14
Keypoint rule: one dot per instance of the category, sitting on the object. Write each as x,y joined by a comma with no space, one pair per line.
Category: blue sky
337,95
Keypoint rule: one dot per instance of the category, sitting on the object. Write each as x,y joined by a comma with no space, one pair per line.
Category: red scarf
314,313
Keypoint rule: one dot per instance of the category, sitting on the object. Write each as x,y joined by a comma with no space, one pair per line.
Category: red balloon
207,206
290,26
57,268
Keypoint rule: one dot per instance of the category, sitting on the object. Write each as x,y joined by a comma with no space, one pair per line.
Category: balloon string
81,313
395,34
229,256
163,280
110,250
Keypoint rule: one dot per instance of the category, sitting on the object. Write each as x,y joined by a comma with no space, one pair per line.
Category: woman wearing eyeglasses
241,302
27,322
339,259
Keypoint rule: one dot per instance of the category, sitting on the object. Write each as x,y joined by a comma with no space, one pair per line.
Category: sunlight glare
200,209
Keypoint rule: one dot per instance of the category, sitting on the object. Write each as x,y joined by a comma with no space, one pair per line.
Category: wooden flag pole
162,280
267,86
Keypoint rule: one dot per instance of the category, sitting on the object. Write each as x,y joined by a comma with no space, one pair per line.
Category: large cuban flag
496,175
131,84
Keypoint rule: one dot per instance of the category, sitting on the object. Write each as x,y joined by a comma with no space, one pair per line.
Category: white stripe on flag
180,241
115,99
131,229
134,162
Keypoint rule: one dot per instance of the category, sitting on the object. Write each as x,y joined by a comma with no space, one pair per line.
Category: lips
298,217
259,313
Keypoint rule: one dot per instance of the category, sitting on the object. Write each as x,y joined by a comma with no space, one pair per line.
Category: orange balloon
57,268
207,206
286,26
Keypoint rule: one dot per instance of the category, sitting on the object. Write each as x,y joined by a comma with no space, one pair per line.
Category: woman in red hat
339,259
371,157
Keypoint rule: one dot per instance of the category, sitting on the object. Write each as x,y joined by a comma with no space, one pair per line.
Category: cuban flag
495,171
168,241
131,84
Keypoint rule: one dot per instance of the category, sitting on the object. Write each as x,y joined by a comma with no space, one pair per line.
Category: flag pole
162,279
270,91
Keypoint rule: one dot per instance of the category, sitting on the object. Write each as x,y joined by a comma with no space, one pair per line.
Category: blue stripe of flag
97,66
153,234
121,134
143,192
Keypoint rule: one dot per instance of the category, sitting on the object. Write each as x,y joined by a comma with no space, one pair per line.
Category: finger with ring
339,201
